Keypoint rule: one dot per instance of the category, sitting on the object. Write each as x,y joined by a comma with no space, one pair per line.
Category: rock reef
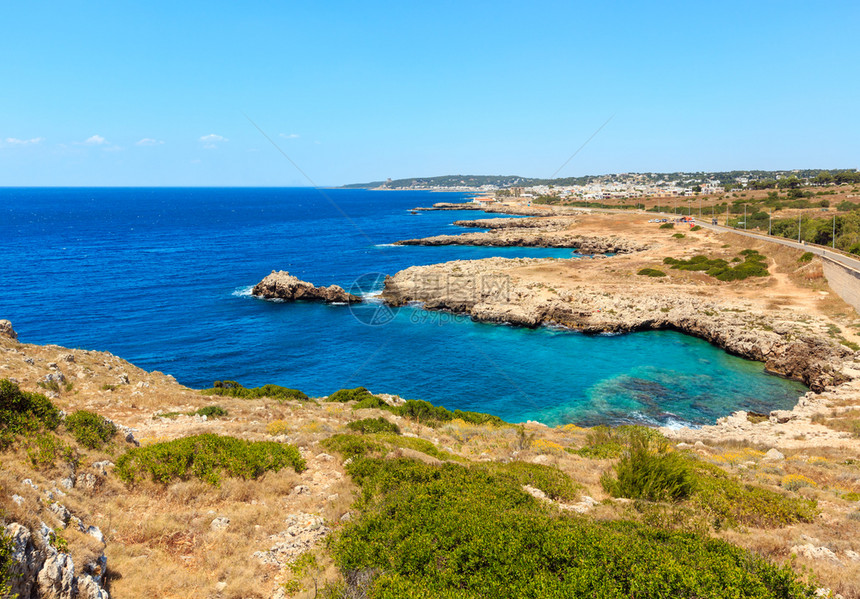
546,232
283,286
486,291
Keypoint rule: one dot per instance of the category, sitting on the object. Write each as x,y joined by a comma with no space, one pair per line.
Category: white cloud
95,140
212,140
290,135
148,141
23,142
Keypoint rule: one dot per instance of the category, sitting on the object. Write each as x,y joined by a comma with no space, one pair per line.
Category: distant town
622,186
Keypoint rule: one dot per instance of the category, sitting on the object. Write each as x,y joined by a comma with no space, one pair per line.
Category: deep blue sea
161,276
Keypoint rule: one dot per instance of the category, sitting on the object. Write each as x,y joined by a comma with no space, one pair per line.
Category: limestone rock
26,558
88,588
773,455
61,512
283,286
220,523
57,577
810,551
303,532
6,330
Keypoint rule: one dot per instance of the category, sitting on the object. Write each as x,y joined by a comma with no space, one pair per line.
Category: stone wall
843,280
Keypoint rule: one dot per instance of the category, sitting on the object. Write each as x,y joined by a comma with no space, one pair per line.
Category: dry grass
159,539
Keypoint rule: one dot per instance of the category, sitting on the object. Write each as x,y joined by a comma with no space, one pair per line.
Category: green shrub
602,442
549,479
649,472
696,228
729,502
358,394
350,446
89,429
374,425
206,457
211,412
46,448
679,236
667,226
651,272
452,531
234,389
7,564
806,257
24,413
753,265
416,444
427,413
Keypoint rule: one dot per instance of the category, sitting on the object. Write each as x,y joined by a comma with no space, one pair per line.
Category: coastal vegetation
456,531
753,264
413,409
22,412
207,457
374,425
651,272
208,411
89,429
650,469
235,389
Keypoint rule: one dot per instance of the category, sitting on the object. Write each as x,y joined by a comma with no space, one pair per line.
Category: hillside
387,498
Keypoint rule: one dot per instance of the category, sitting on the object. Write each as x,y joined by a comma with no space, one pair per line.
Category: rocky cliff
487,292
282,285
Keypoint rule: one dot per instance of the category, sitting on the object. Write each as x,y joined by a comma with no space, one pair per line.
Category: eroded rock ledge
485,291
282,285
545,231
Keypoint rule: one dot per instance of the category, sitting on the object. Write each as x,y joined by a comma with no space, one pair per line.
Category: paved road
835,256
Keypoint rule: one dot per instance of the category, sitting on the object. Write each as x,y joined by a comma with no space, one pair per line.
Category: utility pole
799,221
834,232
745,217
770,222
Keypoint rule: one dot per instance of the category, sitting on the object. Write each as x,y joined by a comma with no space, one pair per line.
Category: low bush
358,394
452,531
89,429
651,472
374,425
752,265
651,272
234,389
350,446
427,413
414,409
8,564
806,257
24,413
46,448
602,442
211,412
679,236
549,479
729,502
696,228
667,226
206,457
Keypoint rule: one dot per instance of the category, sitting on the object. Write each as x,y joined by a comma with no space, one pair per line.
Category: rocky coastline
281,285
799,350
545,232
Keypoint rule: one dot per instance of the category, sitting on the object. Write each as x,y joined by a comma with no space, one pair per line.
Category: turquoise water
161,278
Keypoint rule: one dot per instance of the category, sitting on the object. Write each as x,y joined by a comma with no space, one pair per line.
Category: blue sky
156,93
